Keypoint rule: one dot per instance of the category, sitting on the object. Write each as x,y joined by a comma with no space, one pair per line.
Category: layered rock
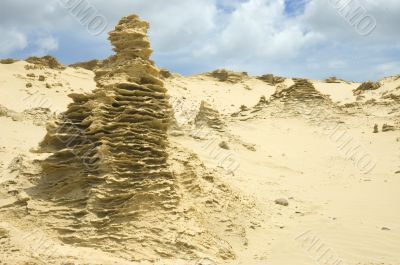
223,75
365,87
388,128
271,79
302,91
165,73
110,181
332,80
392,95
88,65
109,161
207,116
45,61
300,99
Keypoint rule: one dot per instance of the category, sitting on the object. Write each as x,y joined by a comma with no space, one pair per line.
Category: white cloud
199,35
11,41
44,45
258,29
388,68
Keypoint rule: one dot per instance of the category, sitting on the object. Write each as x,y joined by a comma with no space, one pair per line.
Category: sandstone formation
109,160
376,128
186,171
209,117
223,75
261,103
301,91
271,79
8,61
332,80
89,65
45,61
38,116
392,95
109,175
165,73
388,128
365,87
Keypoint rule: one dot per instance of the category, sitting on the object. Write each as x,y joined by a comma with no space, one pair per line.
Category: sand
235,146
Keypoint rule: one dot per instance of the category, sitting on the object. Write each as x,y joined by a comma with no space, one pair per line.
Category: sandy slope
294,158
19,131
273,153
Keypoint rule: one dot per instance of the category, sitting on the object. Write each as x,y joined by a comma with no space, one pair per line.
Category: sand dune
119,162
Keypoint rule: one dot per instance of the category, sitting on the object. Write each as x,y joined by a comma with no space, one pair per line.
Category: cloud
11,41
388,68
287,37
335,64
45,45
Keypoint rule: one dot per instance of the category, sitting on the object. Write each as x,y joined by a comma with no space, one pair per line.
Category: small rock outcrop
89,65
282,202
207,116
388,128
365,87
8,61
261,103
165,73
271,79
376,128
393,95
223,75
332,80
45,61
302,91
39,116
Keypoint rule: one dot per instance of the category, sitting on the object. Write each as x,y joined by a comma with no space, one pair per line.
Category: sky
355,40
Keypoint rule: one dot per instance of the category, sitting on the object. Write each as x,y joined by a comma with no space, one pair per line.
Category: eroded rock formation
365,87
271,79
91,65
109,160
332,80
303,99
209,117
223,75
8,61
301,91
109,178
45,61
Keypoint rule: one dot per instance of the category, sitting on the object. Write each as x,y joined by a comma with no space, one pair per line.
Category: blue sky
300,38
295,7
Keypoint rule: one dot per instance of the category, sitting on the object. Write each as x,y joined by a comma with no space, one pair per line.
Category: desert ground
215,168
